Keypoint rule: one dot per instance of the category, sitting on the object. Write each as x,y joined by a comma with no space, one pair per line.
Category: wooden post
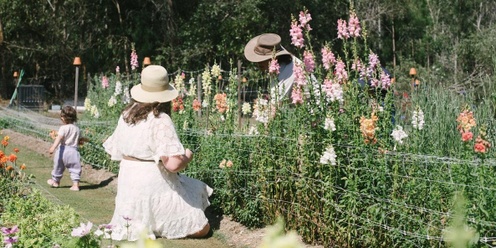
239,93
198,92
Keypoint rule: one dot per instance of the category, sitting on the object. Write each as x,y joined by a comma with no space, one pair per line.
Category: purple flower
10,240
9,231
82,230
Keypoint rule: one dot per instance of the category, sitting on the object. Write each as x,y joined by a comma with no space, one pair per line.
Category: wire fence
406,199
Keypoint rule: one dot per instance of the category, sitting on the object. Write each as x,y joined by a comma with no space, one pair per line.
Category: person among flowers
266,50
65,146
151,195
261,50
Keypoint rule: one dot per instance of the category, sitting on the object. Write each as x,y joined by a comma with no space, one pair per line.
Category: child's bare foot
53,183
75,186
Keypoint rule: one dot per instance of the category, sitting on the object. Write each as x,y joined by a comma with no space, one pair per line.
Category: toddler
66,151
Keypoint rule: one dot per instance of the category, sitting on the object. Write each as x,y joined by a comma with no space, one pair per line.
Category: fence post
198,92
239,93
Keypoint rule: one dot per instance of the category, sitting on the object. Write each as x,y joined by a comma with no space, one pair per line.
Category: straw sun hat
262,47
154,86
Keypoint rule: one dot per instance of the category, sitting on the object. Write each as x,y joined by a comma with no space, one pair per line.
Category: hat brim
251,56
140,95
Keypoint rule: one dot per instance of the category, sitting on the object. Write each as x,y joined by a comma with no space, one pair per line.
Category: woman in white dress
151,196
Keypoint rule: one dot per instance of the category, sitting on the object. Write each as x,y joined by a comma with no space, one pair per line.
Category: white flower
398,134
261,111
204,104
112,101
192,87
87,103
246,108
206,82
334,92
329,124
179,82
253,131
127,97
329,156
216,70
94,111
418,119
118,88
82,230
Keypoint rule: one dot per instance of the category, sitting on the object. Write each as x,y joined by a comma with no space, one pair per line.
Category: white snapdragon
418,119
112,101
246,108
329,156
398,134
329,124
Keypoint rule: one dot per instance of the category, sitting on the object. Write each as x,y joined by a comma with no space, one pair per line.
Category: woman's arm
177,163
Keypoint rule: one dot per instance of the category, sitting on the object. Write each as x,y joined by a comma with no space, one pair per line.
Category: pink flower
342,30
341,73
134,60
480,148
385,80
117,69
296,34
274,67
82,230
296,95
309,61
467,136
305,18
354,26
328,57
105,82
300,79
9,231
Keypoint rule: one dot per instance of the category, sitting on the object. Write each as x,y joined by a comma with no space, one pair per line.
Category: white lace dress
149,198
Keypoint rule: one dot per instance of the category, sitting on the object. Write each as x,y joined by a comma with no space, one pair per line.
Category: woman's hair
138,111
68,114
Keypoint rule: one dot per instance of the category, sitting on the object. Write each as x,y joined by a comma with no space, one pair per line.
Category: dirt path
95,201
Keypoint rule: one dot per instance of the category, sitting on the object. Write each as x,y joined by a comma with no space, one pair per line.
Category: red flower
467,136
12,158
16,150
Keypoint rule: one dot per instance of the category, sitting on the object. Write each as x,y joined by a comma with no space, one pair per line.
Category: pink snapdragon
134,60
342,30
328,57
333,90
340,72
296,33
117,70
354,28
296,95
105,82
309,61
385,80
305,18
274,67
299,74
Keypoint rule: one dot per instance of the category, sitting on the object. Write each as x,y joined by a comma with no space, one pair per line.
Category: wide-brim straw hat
264,47
154,86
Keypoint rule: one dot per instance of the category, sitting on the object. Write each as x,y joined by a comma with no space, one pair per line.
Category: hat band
267,50
153,89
